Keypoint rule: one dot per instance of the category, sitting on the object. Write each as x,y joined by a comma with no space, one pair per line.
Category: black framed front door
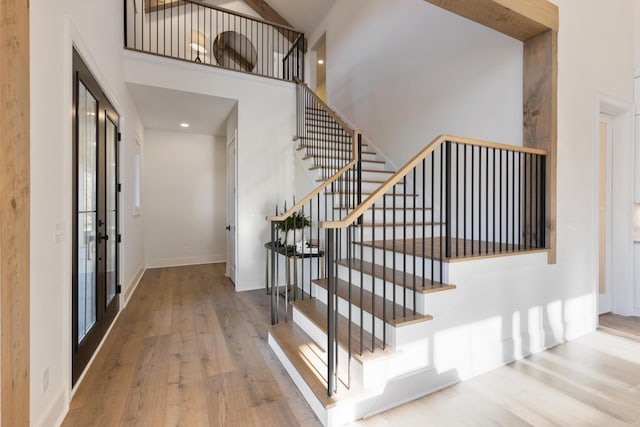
95,215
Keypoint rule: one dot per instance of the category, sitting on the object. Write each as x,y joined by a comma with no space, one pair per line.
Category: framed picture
155,5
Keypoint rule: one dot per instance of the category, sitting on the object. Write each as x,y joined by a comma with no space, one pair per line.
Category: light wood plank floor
189,351
591,381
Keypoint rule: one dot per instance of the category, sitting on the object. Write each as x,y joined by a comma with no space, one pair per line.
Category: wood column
14,212
540,99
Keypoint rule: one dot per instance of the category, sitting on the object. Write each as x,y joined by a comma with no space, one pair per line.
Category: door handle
228,227
101,237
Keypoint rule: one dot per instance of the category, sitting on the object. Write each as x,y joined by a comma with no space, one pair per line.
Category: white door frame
621,265
232,210
605,301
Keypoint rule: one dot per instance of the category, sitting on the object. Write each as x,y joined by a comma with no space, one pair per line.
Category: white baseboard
190,260
133,285
55,413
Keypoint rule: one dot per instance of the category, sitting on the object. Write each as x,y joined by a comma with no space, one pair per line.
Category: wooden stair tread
324,140
330,131
333,143
329,193
316,312
409,224
308,359
481,249
397,208
345,150
400,320
401,277
381,162
364,181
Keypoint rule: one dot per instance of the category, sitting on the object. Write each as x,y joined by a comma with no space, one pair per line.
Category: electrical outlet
45,380
58,234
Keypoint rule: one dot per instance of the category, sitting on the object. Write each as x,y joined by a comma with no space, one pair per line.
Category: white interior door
605,152
231,206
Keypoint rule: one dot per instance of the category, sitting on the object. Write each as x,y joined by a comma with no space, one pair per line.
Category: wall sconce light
198,44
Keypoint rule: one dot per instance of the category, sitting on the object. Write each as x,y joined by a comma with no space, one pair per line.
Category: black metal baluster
464,200
486,202
373,283
433,220
384,270
330,318
457,175
473,191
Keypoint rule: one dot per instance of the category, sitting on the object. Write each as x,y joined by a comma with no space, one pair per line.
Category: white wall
406,71
266,124
184,198
54,27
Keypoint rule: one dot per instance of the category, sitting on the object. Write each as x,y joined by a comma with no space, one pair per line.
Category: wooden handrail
326,107
395,178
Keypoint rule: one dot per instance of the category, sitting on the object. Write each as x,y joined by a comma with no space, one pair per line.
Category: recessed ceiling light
184,125
320,61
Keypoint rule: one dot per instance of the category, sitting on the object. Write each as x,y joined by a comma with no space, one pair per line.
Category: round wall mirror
234,50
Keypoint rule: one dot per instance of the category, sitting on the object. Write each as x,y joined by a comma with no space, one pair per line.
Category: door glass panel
87,227
111,229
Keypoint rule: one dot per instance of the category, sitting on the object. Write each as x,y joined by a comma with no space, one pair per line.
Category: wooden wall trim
520,19
14,212
540,111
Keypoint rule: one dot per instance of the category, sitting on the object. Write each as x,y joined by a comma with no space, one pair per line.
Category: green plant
295,221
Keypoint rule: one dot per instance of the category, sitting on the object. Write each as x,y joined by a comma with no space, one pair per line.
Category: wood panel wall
14,212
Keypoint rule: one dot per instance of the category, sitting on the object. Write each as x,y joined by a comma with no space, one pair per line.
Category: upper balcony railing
197,32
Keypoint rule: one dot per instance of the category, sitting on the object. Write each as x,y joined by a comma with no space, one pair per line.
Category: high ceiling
303,15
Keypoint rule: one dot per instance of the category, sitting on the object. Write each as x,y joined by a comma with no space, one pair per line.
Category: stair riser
400,232
367,187
420,299
320,153
343,309
350,201
379,215
324,128
320,337
403,262
365,164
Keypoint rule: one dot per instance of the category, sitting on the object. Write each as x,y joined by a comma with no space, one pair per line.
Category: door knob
228,227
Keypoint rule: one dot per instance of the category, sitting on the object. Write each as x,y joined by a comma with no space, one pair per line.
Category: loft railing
336,151
458,197
197,32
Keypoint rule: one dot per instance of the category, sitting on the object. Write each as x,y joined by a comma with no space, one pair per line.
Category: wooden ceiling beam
520,19
268,13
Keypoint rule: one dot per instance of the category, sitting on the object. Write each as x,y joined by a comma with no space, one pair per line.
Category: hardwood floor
190,351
